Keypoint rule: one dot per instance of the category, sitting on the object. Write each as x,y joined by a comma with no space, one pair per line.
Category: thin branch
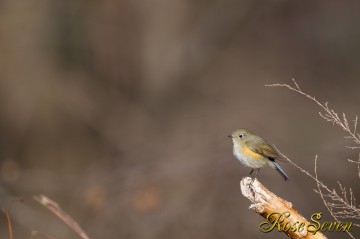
329,114
332,194
7,214
55,208
338,206
43,234
329,208
350,207
358,164
8,219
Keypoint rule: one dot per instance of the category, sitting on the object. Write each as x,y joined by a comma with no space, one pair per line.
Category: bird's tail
281,171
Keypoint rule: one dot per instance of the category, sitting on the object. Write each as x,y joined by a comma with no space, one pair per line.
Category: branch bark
270,206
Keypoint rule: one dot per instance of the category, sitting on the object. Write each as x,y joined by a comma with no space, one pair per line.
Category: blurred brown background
119,110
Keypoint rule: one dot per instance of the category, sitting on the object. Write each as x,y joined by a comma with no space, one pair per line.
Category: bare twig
8,219
322,195
338,207
329,114
266,203
55,208
43,234
358,164
343,205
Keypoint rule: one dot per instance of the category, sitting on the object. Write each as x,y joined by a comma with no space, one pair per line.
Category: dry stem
55,208
42,234
330,115
339,206
8,219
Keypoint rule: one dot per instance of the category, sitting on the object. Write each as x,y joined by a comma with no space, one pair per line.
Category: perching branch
270,206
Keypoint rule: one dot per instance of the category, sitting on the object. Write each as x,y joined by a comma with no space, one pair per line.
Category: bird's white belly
250,161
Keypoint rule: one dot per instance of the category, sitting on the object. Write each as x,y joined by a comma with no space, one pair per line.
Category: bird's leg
258,170
251,171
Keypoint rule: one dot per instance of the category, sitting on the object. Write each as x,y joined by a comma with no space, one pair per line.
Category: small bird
254,152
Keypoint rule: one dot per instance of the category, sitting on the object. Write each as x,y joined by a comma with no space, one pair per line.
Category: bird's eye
241,136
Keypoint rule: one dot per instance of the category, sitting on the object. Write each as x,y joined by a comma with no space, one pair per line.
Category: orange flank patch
251,153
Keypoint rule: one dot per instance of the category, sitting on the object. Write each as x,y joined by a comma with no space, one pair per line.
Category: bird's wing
263,148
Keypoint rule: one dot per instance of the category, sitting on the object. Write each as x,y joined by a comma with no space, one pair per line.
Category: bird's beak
230,136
